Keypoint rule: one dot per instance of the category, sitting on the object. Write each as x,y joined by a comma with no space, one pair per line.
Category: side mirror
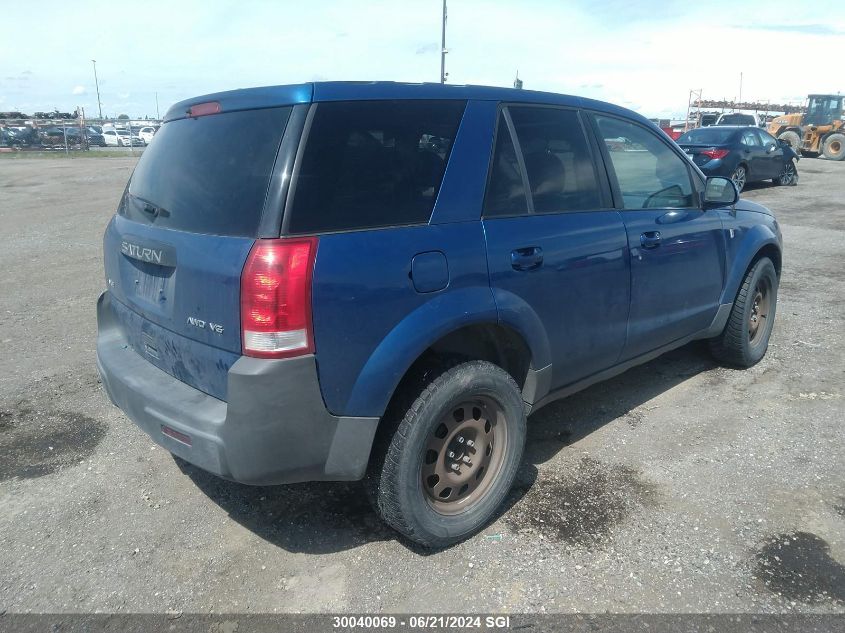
719,192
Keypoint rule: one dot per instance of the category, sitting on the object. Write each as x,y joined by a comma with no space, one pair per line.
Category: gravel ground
679,486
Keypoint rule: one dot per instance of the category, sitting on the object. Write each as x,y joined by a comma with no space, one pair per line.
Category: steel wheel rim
836,147
464,455
739,178
760,309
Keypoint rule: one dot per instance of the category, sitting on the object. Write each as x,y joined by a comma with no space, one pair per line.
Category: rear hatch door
175,251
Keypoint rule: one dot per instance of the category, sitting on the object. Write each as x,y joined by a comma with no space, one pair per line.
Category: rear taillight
714,153
276,298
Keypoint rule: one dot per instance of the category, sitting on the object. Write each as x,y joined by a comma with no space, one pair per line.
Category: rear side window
649,174
208,174
751,139
372,164
557,159
505,191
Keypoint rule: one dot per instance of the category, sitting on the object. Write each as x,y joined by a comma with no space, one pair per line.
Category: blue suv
380,281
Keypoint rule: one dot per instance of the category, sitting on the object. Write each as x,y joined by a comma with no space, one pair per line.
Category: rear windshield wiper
151,209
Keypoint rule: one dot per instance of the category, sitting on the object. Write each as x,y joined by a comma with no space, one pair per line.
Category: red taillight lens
204,109
713,154
276,298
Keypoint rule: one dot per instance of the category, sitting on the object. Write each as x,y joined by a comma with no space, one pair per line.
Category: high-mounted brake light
276,298
203,109
713,154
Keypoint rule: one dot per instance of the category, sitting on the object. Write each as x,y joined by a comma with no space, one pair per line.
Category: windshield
824,110
208,174
706,136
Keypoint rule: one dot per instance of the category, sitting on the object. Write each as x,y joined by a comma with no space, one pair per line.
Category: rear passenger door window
750,138
648,173
372,164
505,190
550,156
560,169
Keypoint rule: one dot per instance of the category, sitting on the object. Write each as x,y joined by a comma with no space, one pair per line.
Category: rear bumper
274,428
718,167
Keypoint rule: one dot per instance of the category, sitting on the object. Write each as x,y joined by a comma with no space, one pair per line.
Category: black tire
791,137
740,177
741,344
834,147
395,476
789,175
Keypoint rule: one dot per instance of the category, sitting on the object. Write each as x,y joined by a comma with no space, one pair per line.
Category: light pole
97,84
443,47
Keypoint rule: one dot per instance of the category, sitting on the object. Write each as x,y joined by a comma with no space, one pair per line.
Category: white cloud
79,90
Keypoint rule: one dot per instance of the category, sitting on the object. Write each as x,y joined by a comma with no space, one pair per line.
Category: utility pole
740,88
158,116
443,72
97,84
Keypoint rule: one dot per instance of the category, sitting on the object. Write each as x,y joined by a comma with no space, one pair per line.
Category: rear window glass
707,135
208,174
737,119
557,159
372,163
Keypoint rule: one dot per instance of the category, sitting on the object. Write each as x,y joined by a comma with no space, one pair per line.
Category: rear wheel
791,137
442,474
740,177
745,339
834,147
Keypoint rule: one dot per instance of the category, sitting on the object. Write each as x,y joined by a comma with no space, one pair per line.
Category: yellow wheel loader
821,131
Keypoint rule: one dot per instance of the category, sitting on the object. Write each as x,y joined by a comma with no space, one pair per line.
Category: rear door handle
650,239
528,258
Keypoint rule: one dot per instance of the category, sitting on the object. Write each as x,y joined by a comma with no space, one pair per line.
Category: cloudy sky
643,54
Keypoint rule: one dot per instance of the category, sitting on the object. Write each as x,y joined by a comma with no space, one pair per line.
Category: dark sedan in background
743,154
94,137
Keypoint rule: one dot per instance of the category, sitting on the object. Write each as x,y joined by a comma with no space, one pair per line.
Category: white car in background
146,134
121,138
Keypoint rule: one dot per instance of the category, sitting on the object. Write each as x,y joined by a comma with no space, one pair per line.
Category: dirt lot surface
678,486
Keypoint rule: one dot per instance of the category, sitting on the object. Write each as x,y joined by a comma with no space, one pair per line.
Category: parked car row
75,137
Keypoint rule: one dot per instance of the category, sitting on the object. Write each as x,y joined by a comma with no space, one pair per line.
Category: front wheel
745,339
740,177
442,472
